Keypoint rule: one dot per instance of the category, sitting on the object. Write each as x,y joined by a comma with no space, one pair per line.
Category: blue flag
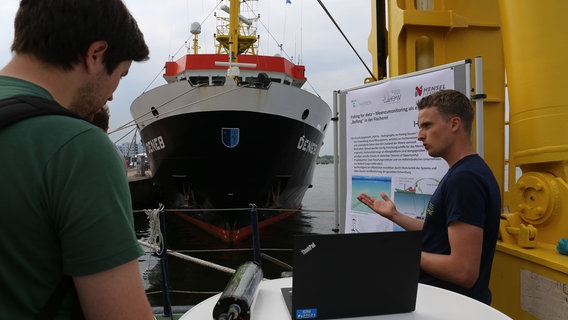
288,1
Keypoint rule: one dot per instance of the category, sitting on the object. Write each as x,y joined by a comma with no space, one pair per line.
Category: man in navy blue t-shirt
459,233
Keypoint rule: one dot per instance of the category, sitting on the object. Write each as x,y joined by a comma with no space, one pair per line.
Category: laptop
354,274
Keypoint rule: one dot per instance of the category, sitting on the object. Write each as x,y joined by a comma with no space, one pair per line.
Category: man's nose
420,136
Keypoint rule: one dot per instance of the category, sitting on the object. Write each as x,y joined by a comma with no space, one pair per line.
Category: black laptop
354,274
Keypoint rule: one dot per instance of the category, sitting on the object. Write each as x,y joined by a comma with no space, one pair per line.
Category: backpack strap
65,286
50,308
19,108
15,109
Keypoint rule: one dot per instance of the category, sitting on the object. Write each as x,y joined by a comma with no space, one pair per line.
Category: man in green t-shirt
66,210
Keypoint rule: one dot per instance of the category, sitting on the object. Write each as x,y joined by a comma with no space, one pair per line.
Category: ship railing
234,209
157,242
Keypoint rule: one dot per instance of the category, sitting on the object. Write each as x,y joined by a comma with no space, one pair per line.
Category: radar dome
195,28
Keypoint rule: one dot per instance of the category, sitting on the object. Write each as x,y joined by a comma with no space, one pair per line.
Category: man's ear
95,56
456,123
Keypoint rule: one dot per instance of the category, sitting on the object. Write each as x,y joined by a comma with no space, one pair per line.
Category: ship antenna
195,29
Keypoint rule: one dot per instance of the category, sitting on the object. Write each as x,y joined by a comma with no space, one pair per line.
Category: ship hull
212,158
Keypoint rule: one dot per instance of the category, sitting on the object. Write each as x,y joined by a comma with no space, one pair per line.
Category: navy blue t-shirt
468,193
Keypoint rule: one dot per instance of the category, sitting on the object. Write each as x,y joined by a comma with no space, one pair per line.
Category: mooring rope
183,291
236,209
228,250
155,238
277,262
189,258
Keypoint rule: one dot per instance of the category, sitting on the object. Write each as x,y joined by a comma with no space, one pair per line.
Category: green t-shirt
65,206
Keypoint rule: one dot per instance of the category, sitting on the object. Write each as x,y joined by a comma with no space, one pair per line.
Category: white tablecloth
431,303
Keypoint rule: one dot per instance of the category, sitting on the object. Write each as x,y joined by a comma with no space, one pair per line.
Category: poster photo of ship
411,196
370,185
363,219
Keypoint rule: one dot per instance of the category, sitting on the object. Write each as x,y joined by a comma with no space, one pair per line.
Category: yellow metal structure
530,277
433,33
236,35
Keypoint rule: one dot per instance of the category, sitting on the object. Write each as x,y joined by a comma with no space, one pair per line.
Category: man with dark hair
459,233
67,240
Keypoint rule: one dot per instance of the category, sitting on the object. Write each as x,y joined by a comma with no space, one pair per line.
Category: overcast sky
302,27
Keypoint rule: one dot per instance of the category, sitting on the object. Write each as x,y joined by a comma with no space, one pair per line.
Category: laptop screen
356,274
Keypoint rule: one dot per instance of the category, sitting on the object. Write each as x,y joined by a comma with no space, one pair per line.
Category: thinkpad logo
308,248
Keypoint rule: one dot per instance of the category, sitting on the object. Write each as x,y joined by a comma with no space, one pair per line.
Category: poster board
378,148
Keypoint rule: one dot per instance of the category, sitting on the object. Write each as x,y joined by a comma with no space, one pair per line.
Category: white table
431,303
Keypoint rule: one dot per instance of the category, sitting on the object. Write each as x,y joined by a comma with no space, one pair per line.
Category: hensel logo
421,91
418,91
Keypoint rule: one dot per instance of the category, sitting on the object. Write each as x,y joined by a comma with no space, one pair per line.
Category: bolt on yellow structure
529,39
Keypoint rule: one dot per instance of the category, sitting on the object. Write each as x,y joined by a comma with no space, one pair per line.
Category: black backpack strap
65,287
54,301
19,108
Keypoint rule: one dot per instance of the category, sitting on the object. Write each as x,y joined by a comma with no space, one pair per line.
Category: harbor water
190,282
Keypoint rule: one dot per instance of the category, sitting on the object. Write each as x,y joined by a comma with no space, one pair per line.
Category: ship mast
234,30
233,41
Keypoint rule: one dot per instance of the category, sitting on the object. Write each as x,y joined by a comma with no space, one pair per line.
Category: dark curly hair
59,32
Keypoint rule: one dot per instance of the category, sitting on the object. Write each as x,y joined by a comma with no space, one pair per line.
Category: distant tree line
327,159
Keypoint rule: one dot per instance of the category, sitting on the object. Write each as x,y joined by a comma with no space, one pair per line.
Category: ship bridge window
199,80
242,81
286,82
305,114
251,79
254,81
278,80
218,81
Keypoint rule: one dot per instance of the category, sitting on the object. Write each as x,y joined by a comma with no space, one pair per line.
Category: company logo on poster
422,91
